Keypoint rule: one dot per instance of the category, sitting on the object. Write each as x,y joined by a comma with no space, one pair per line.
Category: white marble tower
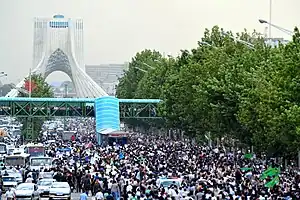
58,46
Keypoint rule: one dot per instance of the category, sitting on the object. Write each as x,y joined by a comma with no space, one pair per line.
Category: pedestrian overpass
107,110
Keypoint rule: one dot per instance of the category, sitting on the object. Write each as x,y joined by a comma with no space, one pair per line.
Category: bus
35,150
3,148
17,160
36,163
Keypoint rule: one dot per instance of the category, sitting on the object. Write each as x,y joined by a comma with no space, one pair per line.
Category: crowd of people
132,171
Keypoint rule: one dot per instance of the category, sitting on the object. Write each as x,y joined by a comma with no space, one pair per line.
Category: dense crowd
132,171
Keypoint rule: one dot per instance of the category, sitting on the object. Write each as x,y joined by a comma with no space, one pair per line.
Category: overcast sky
116,29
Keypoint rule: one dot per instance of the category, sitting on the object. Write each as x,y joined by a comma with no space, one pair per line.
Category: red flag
30,86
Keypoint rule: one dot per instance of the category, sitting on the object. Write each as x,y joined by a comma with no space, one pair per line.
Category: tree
228,89
39,88
274,120
204,95
137,69
142,64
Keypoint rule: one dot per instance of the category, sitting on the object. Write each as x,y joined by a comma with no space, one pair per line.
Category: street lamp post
286,31
249,45
66,90
270,18
205,43
142,70
149,66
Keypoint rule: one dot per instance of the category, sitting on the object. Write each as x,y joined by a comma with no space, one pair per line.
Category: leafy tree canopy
226,87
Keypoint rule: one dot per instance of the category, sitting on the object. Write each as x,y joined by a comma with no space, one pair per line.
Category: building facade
106,75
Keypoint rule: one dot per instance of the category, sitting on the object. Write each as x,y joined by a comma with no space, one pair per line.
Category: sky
115,30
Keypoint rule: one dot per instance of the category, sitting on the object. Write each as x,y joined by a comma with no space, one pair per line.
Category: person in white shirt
129,188
41,175
172,192
99,195
109,185
10,195
14,191
29,179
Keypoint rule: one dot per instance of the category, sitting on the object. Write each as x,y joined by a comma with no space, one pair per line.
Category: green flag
270,172
248,156
245,169
273,182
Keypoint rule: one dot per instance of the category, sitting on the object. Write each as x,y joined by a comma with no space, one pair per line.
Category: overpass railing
73,107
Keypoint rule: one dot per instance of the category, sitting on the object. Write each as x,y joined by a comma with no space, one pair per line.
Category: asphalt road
75,196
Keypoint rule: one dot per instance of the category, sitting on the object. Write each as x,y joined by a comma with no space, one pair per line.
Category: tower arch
58,61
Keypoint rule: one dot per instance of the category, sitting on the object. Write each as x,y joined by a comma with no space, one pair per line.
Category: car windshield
40,161
25,187
45,183
8,171
12,179
168,183
18,175
14,161
47,175
55,185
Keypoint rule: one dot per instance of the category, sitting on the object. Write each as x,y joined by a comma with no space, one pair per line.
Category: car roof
61,183
170,179
9,176
30,184
48,179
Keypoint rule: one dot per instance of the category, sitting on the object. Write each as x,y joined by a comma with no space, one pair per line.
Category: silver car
44,186
60,190
9,182
19,177
27,191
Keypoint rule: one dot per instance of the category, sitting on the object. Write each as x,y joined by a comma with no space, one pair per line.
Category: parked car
60,190
27,191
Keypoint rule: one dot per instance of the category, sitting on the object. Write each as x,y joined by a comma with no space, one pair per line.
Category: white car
13,172
44,186
18,176
9,182
27,191
166,182
60,190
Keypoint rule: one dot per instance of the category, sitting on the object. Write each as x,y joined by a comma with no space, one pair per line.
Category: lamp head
262,21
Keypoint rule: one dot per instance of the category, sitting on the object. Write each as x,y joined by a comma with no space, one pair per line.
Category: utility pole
30,83
270,19
66,90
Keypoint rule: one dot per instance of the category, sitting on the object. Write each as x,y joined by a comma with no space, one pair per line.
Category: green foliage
42,89
226,88
137,69
32,126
